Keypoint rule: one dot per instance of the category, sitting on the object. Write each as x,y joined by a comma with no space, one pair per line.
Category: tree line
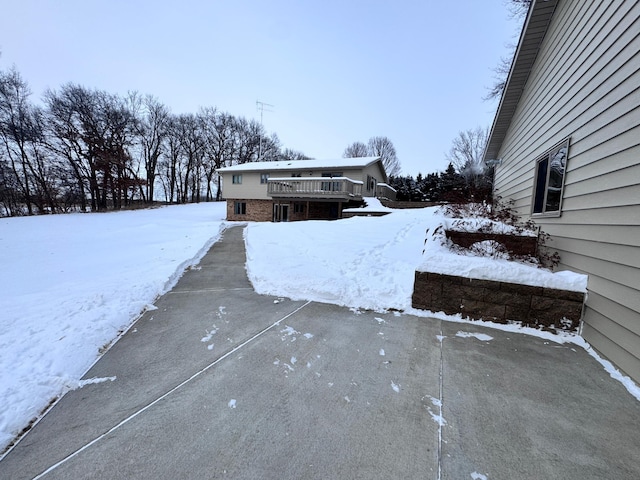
376,147
466,178
446,186
90,150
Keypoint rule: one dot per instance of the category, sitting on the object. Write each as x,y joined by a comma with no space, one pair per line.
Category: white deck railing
386,191
315,187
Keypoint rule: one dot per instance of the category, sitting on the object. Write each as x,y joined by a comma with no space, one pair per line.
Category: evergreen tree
452,185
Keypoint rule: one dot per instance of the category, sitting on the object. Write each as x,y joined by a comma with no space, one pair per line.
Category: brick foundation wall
257,211
498,301
262,211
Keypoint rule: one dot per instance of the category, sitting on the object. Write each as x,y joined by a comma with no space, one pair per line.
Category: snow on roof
358,162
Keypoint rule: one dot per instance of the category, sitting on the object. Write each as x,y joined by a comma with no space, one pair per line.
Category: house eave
533,33
302,165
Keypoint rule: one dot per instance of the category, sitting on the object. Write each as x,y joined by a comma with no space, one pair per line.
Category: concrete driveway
220,382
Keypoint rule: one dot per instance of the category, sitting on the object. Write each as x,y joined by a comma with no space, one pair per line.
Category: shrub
498,218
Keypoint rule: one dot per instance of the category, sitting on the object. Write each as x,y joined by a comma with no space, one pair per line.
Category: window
549,182
298,207
240,208
371,183
264,177
237,179
332,186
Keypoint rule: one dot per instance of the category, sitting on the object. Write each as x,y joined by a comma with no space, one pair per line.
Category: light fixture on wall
493,162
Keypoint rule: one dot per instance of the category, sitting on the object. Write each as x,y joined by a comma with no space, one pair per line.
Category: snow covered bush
496,231
489,248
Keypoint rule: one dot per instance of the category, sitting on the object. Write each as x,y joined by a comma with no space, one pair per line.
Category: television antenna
262,107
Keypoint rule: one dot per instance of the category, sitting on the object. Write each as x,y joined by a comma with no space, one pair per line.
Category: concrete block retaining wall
364,214
498,301
404,205
516,244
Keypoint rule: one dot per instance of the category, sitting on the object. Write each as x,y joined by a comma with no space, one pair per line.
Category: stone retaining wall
498,301
516,244
364,214
406,204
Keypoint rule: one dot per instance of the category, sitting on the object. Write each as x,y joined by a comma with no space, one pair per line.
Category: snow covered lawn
360,262
70,283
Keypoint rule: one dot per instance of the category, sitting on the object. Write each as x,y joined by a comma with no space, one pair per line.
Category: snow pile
486,225
439,258
372,204
71,283
360,262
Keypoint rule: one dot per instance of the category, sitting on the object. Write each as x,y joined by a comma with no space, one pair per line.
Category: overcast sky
335,71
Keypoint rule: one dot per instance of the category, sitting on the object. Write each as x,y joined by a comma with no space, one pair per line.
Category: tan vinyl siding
610,309
619,356
249,188
613,216
585,84
374,172
616,234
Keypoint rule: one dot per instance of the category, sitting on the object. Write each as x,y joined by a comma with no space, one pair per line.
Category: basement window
240,208
549,181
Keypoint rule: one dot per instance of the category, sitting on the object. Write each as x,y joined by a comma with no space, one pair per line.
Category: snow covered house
301,189
566,144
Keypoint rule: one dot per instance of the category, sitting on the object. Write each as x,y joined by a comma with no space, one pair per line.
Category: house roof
533,32
358,162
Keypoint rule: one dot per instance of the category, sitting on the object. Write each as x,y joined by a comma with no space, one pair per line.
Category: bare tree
10,198
501,73
466,156
93,131
193,144
270,148
248,132
221,145
289,154
168,164
355,150
383,147
517,9
45,168
376,147
22,141
65,137
17,132
94,150
151,130
119,127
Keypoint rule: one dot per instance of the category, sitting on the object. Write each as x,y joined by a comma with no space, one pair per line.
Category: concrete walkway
220,382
